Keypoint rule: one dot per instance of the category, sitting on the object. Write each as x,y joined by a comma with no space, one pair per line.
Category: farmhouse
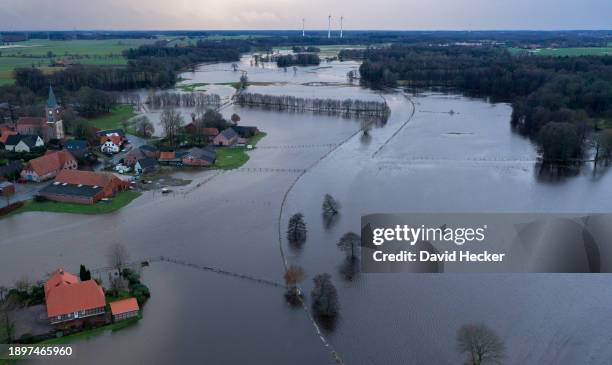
141,152
23,143
171,158
48,166
200,157
226,138
72,303
245,131
83,187
124,309
146,165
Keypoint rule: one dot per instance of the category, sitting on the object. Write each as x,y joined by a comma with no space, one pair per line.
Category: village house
124,309
199,157
23,143
83,187
141,152
48,166
245,131
171,158
111,144
6,130
49,126
77,147
146,165
208,133
226,138
71,303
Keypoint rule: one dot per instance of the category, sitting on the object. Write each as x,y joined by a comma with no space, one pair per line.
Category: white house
110,146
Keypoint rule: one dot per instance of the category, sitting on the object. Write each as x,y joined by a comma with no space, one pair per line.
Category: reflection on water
465,161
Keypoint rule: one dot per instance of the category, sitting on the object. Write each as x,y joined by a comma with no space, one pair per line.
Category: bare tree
349,243
118,256
481,344
171,121
144,127
293,276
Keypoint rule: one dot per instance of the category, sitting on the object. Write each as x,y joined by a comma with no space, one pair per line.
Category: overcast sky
287,14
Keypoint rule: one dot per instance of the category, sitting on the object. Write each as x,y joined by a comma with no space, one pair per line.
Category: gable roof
28,139
5,135
31,121
117,140
106,132
59,277
202,154
135,153
74,297
229,133
147,162
210,132
49,162
167,155
124,306
75,144
89,178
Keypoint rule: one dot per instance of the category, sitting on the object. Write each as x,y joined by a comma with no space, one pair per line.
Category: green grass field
563,52
115,119
229,158
90,52
118,201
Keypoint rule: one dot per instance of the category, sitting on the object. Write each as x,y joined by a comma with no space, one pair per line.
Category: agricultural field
563,52
41,52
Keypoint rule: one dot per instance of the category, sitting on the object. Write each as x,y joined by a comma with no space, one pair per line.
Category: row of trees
288,102
173,99
300,59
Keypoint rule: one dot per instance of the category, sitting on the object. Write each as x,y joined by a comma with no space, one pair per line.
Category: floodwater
465,161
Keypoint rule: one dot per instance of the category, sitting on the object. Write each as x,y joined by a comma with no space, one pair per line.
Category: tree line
288,102
173,99
574,92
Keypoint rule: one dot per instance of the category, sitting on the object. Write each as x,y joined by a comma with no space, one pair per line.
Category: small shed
124,309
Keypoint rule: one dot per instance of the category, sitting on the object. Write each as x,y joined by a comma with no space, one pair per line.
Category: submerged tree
481,344
293,276
331,207
84,274
349,243
235,118
296,233
324,297
118,256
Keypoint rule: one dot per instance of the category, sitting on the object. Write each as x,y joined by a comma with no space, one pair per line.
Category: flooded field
456,154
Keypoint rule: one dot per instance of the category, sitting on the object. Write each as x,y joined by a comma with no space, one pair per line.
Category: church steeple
51,101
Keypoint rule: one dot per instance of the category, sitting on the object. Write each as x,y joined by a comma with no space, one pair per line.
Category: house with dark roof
199,157
146,165
245,131
149,151
83,187
72,303
141,152
23,142
48,166
77,147
228,137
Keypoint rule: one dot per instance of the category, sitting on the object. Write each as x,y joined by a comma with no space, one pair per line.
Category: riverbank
229,158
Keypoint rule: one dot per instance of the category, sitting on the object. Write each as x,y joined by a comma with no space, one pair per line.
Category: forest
575,92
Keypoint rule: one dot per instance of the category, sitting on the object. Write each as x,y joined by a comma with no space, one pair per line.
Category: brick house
83,187
124,309
72,303
48,166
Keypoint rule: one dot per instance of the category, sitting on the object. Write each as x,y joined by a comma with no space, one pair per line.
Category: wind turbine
303,31
329,26
341,19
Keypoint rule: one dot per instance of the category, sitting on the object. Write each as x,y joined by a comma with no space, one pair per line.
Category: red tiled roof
51,161
210,131
4,134
69,296
59,277
124,306
116,139
90,178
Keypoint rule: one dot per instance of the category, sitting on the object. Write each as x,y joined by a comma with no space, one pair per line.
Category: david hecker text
447,256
